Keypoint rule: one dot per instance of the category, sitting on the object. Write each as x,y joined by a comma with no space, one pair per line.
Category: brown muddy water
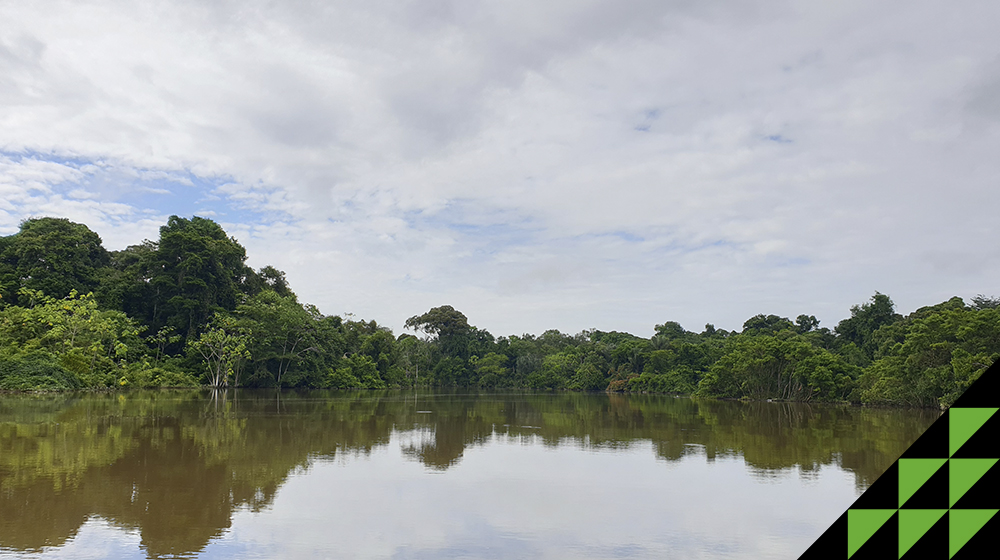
431,475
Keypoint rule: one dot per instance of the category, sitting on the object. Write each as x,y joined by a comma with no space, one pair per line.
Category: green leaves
769,367
943,349
223,347
94,345
204,307
283,335
192,271
491,371
865,320
454,334
50,255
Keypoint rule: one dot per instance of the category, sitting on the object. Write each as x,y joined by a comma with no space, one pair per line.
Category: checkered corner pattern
939,499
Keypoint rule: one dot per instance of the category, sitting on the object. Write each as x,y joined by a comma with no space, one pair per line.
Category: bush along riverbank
186,311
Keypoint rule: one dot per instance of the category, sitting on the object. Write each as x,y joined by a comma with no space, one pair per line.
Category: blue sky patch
147,191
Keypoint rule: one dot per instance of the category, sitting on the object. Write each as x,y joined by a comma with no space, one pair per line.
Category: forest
186,311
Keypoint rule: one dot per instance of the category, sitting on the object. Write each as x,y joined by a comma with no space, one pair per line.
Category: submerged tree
283,333
223,347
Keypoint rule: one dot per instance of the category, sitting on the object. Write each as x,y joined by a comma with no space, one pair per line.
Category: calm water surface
431,475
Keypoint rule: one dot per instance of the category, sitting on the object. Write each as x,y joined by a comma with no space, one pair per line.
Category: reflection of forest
175,465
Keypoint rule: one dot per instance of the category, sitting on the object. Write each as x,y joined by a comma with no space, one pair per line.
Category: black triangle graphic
985,493
933,494
932,444
933,545
883,493
983,540
985,443
883,544
831,544
984,392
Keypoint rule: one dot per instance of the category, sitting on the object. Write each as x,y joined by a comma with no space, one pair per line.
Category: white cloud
537,165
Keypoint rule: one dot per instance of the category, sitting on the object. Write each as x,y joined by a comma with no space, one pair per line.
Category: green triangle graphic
913,523
962,474
963,524
963,422
913,473
862,524
917,478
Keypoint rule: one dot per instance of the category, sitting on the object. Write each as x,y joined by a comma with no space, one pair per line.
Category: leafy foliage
865,320
94,344
280,334
180,281
35,371
940,355
764,367
186,309
50,255
223,349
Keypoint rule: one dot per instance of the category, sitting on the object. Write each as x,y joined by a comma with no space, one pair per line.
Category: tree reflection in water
175,465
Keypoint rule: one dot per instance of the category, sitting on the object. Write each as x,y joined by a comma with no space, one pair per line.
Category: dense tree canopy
865,321
53,256
196,270
186,309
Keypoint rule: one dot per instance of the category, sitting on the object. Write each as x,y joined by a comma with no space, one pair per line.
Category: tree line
186,310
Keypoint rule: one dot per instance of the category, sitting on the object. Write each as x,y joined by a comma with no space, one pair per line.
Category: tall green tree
223,349
942,352
200,270
283,334
771,367
414,357
806,323
381,348
766,324
859,329
672,330
193,271
50,255
127,286
450,326
267,278
490,370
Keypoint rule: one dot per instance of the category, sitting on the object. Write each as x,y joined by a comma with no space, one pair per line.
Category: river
431,475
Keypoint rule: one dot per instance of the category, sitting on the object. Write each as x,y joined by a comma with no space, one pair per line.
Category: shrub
38,371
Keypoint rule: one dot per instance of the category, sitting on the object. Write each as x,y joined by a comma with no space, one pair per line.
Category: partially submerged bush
36,371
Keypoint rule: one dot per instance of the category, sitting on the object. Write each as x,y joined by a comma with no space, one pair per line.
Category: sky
537,165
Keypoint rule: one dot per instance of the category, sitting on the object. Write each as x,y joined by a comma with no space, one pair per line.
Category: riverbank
186,310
